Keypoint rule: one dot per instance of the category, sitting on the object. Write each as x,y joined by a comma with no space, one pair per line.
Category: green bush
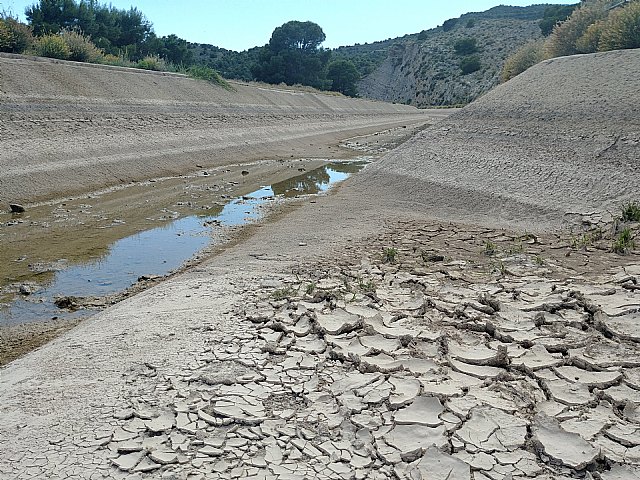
6,38
588,43
525,57
208,74
466,46
631,212
52,46
470,64
564,38
15,37
81,48
622,29
154,63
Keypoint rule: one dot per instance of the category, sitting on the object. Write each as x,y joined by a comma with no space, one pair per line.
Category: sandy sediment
356,337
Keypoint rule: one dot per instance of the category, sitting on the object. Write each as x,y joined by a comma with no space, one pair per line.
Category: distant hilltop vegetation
452,64
449,65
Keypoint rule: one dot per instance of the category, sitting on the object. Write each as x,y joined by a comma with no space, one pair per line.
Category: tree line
86,30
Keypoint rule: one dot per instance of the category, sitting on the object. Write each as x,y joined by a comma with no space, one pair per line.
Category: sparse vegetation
526,57
284,293
490,248
389,255
631,212
595,26
366,286
624,243
311,287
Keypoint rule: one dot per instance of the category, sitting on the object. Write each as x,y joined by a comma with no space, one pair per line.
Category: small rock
16,208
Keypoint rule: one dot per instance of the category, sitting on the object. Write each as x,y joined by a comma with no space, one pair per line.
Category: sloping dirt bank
562,138
69,128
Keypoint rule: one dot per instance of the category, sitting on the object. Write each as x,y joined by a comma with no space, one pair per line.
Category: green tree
344,77
293,56
622,29
175,50
115,31
51,16
15,37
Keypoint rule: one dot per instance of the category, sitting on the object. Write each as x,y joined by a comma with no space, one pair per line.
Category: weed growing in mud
516,248
310,288
366,286
389,255
539,260
624,243
631,212
284,293
490,248
587,239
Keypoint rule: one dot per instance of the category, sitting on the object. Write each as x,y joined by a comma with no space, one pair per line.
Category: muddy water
154,251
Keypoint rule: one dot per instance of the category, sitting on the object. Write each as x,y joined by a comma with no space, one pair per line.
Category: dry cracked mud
391,361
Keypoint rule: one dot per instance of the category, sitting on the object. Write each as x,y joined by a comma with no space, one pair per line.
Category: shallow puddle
156,251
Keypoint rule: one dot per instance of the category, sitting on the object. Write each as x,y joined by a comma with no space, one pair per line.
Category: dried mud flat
355,338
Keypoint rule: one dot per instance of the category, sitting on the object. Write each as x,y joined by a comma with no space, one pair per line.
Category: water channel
160,250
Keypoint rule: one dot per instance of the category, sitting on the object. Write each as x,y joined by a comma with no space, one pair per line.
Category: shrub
588,43
15,37
152,63
553,15
208,74
470,64
466,46
81,47
631,212
52,46
525,57
565,35
117,61
470,23
624,243
6,38
622,29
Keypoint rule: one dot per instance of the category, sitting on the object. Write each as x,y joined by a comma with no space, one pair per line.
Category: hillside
554,143
424,69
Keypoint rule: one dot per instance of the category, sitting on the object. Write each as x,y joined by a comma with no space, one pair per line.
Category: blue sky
242,24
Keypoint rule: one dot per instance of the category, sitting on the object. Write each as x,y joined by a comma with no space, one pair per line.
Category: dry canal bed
65,260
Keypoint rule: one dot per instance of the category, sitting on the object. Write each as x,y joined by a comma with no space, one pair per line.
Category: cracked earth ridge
388,370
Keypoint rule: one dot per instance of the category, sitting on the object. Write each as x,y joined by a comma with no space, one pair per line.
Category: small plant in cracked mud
631,212
624,243
389,255
490,248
